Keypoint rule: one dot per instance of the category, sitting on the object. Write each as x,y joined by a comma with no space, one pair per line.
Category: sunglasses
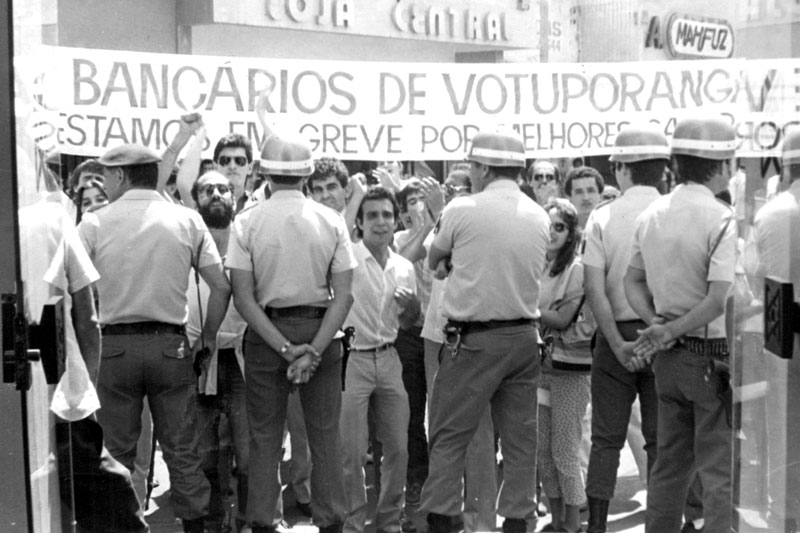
558,227
208,190
452,189
240,160
542,177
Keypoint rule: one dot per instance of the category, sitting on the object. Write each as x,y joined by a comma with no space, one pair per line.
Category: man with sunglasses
638,158
144,248
545,179
221,383
233,156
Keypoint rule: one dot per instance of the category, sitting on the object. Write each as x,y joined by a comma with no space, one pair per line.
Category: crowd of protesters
490,337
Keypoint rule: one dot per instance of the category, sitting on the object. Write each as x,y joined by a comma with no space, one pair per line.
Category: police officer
143,247
638,159
291,267
496,242
681,268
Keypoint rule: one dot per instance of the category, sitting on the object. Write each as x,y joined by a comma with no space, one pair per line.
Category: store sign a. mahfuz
697,37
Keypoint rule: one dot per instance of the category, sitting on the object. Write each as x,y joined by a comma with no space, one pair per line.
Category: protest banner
85,101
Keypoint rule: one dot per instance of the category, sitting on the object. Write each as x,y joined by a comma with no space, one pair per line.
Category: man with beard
221,385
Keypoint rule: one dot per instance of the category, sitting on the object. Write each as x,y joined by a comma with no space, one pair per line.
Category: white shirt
375,312
777,234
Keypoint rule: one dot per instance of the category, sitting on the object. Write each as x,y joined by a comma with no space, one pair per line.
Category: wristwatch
285,348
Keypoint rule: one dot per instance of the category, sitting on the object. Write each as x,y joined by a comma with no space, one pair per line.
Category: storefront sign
86,101
691,37
494,23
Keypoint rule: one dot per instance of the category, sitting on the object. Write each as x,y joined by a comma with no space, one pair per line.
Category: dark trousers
321,398
227,406
693,434
614,389
411,349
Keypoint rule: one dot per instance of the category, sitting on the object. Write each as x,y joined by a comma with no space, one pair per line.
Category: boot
598,514
194,525
439,523
514,525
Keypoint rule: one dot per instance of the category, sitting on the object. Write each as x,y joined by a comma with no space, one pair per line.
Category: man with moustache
221,386
545,179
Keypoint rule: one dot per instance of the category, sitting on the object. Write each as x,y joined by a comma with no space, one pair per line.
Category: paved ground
626,512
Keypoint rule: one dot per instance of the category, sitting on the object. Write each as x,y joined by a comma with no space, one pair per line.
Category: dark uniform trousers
614,389
321,398
693,434
498,367
158,365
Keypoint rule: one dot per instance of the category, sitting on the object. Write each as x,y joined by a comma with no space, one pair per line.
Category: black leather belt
713,347
475,327
297,311
376,349
143,328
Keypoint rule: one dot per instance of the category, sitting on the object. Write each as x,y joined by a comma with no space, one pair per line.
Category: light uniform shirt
290,243
777,235
375,312
498,240
672,241
54,263
144,246
609,237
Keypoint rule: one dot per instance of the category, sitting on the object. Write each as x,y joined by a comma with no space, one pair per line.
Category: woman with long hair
92,195
564,390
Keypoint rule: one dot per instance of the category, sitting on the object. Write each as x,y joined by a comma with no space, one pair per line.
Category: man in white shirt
385,298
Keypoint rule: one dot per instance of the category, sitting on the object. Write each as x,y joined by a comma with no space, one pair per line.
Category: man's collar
288,193
502,183
141,194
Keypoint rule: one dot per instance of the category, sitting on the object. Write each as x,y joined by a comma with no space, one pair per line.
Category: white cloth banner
86,101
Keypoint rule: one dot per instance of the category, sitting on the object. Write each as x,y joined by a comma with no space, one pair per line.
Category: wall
141,25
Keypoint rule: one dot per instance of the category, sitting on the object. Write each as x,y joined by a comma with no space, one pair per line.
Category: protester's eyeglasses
453,189
240,160
208,190
558,227
541,177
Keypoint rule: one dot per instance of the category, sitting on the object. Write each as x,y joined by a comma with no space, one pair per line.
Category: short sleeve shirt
290,243
777,234
374,313
497,240
609,237
672,242
144,246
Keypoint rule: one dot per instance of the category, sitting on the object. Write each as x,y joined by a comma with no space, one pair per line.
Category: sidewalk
626,513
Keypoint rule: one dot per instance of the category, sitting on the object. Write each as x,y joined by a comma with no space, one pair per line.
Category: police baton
349,333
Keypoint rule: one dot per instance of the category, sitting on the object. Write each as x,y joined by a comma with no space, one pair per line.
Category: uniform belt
376,349
297,311
475,327
713,347
143,328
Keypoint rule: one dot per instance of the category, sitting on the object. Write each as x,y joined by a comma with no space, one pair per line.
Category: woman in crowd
90,196
564,390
